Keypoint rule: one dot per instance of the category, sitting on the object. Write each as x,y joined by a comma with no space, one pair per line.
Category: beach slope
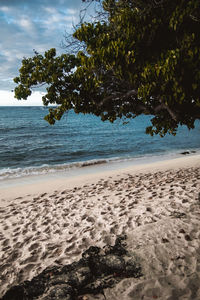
51,222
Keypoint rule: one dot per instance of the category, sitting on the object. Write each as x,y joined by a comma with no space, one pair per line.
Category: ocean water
29,145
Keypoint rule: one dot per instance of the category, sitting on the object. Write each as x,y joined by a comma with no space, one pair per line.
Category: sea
30,146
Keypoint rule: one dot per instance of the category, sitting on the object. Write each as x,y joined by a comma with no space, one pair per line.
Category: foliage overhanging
143,57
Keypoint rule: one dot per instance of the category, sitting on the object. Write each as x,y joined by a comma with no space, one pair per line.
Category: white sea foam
11,173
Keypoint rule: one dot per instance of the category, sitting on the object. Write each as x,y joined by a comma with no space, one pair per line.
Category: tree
143,57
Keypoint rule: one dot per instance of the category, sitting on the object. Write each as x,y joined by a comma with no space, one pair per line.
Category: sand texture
158,211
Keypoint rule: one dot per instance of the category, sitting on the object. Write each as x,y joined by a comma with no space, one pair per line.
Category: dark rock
96,270
188,152
119,247
112,263
185,152
133,268
15,293
62,292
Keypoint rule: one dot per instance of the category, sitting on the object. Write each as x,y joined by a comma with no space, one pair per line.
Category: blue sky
26,25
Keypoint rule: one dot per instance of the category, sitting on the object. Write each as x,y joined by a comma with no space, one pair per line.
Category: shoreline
36,184
51,222
8,174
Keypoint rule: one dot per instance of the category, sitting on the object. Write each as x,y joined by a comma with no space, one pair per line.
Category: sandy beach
51,221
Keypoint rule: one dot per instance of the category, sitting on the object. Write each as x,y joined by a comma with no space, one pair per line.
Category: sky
31,24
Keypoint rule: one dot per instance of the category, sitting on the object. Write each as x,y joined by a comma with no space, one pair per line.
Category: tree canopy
141,57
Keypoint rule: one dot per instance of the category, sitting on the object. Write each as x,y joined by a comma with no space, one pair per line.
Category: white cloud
7,99
5,9
58,19
27,25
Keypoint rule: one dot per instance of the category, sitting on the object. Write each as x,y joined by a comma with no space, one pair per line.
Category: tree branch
164,106
194,18
138,106
118,94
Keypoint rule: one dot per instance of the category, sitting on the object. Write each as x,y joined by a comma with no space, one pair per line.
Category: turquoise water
29,145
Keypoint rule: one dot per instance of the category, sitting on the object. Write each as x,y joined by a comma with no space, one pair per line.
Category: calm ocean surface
29,145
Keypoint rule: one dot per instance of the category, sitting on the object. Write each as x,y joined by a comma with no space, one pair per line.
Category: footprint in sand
34,246
114,229
6,242
6,227
30,259
90,219
28,267
14,256
69,248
